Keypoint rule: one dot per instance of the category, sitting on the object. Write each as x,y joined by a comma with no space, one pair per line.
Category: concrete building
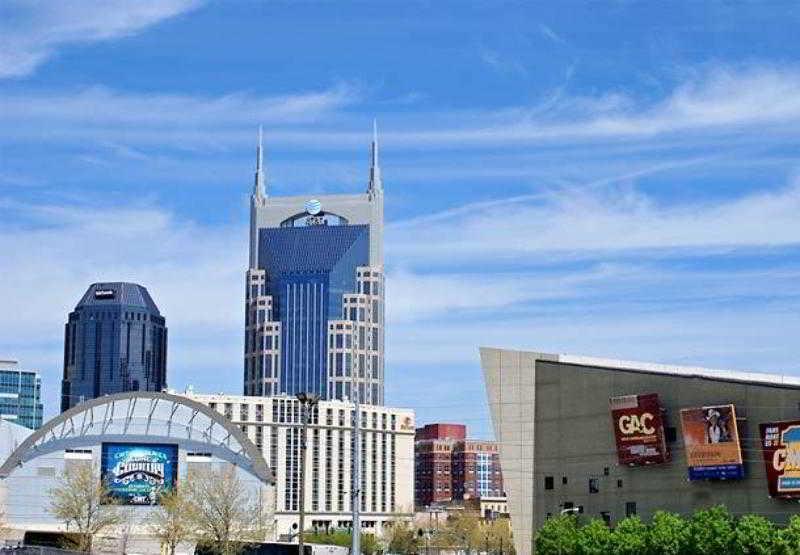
273,424
20,395
142,443
562,450
314,294
114,341
450,469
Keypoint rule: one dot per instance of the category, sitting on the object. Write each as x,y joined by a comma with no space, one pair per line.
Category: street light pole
307,403
355,475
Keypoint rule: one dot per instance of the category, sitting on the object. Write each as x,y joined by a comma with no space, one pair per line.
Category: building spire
258,187
375,182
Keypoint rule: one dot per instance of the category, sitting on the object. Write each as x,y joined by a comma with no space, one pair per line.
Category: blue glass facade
308,270
115,341
21,397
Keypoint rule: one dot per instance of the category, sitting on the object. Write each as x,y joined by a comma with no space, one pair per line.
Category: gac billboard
711,438
639,429
780,443
138,473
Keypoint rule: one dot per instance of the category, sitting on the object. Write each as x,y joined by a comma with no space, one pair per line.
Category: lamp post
307,403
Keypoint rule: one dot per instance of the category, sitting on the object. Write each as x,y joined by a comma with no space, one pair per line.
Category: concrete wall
572,437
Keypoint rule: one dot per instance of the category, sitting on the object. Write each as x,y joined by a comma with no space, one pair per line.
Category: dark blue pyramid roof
309,249
118,293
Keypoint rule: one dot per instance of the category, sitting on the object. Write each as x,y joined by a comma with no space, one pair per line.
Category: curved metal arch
258,465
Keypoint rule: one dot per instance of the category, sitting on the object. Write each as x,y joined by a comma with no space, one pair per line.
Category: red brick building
450,468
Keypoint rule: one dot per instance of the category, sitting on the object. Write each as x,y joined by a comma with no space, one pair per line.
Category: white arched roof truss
146,417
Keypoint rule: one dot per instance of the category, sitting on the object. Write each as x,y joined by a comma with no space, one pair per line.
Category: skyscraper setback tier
115,340
314,294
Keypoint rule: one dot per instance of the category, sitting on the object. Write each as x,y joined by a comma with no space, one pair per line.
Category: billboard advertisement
780,443
137,473
711,437
639,429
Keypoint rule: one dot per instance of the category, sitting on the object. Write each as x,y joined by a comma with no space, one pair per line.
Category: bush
558,536
708,531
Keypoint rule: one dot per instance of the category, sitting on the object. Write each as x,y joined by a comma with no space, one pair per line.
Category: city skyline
563,180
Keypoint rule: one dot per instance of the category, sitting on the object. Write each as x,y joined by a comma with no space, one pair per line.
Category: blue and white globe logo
313,206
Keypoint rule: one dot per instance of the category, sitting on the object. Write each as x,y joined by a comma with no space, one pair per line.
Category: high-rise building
20,395
451,469
115,340
274,425
314,298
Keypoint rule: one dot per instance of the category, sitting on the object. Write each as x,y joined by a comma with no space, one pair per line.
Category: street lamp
307,403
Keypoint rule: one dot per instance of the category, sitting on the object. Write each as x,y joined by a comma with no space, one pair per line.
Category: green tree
172,521
461,531
400,537
753,534
594,538
558,536
630,537
223,511
82,502
668,534
789,537
711,531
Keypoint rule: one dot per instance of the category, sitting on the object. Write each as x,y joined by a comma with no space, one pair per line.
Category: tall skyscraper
314,300
20,395
115,340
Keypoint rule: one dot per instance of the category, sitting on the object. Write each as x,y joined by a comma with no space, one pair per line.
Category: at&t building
315,299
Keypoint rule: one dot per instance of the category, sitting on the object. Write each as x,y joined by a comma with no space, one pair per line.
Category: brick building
449,468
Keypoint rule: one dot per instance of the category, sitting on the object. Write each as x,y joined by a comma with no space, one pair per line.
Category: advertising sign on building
137,473
639,429
711,437
780,443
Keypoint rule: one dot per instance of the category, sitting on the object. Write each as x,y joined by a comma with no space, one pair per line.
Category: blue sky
615,179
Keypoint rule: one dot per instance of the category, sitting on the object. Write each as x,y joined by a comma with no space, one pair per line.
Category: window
564,480
594,485
619,483
606,516
630,508
606,471
548,482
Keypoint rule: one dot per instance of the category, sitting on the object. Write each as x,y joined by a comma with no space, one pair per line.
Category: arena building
609,438
141,442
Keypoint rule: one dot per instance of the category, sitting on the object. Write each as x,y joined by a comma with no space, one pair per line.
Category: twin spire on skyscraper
375,182
258,188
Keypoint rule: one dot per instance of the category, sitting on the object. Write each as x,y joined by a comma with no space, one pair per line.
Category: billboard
639,429
136,473
711,437
780,443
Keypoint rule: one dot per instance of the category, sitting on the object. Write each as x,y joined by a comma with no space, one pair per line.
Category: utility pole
307,403
355,475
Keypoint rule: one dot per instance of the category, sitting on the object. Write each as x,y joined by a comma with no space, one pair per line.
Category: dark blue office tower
115,341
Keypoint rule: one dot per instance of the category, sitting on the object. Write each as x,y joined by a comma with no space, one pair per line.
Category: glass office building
20,395
314,294
115,341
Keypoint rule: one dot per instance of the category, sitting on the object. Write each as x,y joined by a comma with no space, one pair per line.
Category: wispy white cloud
549,34
581,221
502,63
31,32
720,102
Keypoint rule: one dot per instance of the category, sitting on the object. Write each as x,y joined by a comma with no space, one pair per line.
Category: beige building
387,454
552,417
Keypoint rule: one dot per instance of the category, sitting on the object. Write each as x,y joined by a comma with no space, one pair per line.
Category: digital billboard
780,443
137,473
711,437
639,429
